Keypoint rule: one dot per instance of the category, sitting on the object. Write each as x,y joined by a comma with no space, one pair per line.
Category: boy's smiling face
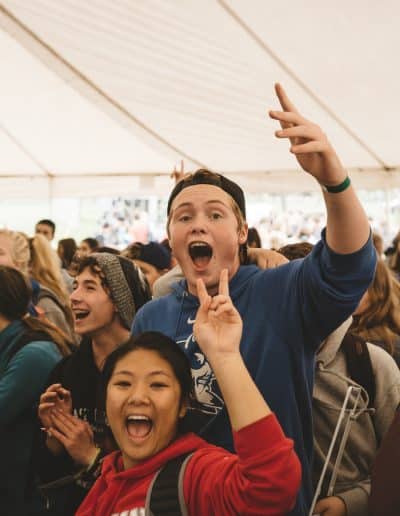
204,234
92,306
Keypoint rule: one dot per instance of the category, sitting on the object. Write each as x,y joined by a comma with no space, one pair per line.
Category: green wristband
337,188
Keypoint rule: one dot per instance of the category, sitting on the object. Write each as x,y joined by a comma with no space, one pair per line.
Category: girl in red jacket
148,390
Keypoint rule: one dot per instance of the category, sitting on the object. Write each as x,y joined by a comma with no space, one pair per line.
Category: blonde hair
45,269
20,253
380,321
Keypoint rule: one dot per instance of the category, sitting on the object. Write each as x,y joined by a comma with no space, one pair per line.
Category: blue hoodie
286,312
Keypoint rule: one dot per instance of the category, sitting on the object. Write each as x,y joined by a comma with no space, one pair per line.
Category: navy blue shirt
287,312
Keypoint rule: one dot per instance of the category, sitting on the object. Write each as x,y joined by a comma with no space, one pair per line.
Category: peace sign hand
218,326
308,143
178,175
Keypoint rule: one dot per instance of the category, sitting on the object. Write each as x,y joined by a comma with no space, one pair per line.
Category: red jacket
262,479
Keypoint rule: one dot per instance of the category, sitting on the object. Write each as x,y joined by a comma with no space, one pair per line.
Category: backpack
359,364
165,494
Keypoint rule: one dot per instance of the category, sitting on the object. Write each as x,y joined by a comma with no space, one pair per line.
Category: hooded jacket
262,479
23,376
286,313
331,383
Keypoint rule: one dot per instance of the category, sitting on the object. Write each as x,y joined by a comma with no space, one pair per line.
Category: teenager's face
84,249
5,252
143,405
92,307
151,272
204,235
45,230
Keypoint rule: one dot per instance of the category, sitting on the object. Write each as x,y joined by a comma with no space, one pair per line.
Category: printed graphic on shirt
97,420
205,383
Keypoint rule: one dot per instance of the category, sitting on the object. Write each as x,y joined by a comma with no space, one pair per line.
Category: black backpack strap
165,494
359,364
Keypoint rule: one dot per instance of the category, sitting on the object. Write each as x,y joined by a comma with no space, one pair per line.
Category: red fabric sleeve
262,479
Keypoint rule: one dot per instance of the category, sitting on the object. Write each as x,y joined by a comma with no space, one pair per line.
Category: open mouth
138,426
80,314
200,253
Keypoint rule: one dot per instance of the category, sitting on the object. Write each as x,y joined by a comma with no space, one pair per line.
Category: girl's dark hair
253,238
15,299
69,249
15,295
166,348
92,243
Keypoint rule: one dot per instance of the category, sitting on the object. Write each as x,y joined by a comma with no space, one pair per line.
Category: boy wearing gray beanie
108,291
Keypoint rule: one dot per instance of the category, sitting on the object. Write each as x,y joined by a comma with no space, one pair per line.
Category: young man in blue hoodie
286,311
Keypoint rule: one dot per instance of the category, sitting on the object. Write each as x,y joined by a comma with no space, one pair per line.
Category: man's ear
243,234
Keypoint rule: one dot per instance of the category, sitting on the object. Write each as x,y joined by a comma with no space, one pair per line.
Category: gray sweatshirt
331,383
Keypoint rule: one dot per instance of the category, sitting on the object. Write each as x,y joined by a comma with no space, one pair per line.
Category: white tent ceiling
102,97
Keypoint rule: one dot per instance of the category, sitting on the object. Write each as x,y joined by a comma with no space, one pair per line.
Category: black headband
204,177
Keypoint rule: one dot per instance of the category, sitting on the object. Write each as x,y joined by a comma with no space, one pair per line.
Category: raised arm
347,224
218,330
265,475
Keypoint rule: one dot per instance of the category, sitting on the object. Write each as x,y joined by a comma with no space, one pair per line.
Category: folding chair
351,414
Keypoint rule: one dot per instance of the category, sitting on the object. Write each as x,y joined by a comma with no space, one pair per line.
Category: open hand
265,258
218,326
308,143
55,397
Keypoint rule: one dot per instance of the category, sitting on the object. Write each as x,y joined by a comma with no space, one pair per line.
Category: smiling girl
148,393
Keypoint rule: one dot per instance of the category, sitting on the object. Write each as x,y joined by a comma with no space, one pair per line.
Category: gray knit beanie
128,287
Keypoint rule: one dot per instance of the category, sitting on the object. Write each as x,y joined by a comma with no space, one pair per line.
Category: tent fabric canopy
102,98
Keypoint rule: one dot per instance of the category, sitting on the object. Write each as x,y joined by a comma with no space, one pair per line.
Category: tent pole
387,210
50,197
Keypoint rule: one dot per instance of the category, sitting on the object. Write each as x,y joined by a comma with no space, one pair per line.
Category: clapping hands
64,430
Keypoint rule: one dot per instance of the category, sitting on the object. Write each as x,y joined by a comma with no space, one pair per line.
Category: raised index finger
284,100
223,288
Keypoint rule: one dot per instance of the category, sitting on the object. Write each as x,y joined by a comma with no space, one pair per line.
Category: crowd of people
204,374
